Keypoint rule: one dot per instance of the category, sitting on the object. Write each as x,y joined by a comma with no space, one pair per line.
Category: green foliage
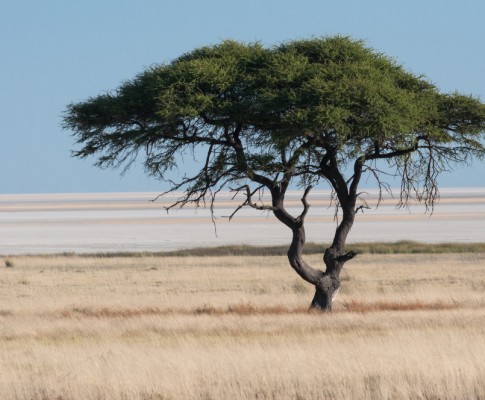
281,113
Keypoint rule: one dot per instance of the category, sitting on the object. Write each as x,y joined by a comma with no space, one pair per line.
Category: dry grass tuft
247,309
362,307
240,309
244,309
106,312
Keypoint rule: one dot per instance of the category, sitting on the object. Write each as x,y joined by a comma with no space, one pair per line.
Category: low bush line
400,247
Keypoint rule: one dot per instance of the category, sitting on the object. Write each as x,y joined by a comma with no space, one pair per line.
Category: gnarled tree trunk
326,282
334,258
325,291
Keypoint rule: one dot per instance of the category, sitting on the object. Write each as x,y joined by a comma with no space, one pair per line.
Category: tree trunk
326,283
327,287
325,291
295,257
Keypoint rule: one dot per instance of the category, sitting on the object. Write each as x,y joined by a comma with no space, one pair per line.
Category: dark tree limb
248,201
346,257
306,206
392,154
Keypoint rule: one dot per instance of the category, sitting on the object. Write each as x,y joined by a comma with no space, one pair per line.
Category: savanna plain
237,327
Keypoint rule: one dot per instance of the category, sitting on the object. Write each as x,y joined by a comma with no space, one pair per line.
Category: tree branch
329,170
377,154
358,165
306,206
248,201
346,257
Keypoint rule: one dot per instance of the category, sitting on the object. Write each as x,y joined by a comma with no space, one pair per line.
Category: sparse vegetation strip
400,247
245,309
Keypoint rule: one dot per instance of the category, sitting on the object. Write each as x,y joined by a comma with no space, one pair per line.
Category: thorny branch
249,199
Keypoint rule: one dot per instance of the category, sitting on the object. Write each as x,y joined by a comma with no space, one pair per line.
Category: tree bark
327,287
326,283
295,257
325,291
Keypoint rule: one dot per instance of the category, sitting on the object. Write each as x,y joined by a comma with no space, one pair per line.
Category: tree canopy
280,111
323,109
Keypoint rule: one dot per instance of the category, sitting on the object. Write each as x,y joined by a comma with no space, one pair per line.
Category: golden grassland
237,327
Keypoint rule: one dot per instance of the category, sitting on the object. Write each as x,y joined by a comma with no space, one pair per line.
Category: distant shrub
9,263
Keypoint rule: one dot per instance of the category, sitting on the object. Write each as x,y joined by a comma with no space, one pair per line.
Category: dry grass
404,326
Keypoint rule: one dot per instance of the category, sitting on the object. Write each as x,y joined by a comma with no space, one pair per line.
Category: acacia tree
306,111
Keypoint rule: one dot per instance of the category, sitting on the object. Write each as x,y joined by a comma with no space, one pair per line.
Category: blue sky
54,52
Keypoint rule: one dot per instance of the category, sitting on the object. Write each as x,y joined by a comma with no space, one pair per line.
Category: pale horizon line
96,194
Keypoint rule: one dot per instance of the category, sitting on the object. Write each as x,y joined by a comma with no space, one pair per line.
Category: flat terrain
405,326
90,222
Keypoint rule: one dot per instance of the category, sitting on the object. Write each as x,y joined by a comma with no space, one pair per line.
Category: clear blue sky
54,52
